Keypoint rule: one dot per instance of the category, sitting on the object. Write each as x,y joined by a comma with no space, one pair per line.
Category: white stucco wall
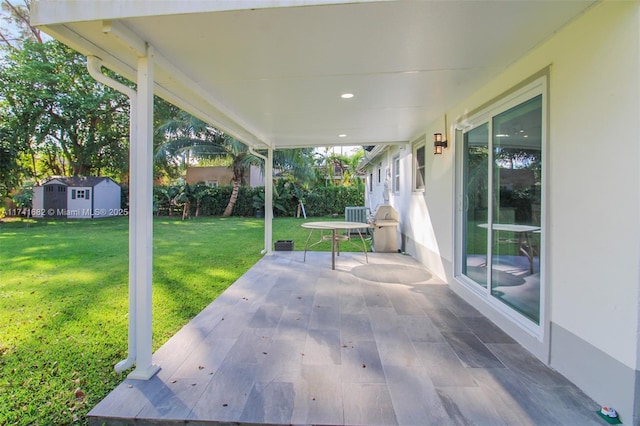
374,196
593,188
596,209
421,220
593,193
256,177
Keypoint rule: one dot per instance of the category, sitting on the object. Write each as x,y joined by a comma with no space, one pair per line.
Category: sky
8,29
5,25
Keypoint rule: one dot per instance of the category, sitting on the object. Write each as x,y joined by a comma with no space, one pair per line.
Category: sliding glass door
476,202
501,194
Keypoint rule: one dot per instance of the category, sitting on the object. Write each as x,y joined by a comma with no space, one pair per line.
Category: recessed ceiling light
343,135
346,95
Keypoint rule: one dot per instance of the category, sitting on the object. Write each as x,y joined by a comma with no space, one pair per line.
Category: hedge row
202,200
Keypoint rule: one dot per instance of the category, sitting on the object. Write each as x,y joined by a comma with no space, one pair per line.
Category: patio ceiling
271,72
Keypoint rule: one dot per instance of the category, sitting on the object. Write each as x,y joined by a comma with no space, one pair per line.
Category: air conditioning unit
357,214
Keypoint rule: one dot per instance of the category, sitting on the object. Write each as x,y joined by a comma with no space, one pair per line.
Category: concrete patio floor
382,343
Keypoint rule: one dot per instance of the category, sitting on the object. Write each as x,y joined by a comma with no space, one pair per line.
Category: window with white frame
81,194
419,150
371,182
396,174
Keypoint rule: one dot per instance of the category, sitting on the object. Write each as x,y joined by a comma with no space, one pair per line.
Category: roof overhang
271,72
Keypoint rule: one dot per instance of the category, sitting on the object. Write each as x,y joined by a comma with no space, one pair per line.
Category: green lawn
63,301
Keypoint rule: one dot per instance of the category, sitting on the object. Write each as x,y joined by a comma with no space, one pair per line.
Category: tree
10,166
188,138
350,175
338,169
184,198
164,169
68,123
294,163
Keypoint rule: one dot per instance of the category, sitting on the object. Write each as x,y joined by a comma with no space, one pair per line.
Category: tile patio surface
382,343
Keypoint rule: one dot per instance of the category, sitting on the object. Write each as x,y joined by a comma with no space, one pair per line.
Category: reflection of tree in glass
514,158
477,177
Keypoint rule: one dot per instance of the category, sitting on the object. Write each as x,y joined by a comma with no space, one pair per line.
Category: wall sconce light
438,143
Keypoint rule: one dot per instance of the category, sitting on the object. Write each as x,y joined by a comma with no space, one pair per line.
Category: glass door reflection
476,204
502,200
516,224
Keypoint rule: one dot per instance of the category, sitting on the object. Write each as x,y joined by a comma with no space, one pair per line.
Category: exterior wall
416,234
592,261
594,277
256,178
374,192
428,220
107,200
591,323
222,175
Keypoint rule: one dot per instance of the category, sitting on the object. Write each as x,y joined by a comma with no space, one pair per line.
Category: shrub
212,201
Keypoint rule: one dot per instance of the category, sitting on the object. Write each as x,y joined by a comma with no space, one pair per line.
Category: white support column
94,66
268,201
141,220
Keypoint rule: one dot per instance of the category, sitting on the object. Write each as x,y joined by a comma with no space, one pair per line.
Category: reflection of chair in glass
521,237
525,246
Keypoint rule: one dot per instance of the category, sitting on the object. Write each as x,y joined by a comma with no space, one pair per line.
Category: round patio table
333,227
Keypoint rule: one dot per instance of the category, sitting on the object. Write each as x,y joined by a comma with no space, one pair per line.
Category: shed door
55,200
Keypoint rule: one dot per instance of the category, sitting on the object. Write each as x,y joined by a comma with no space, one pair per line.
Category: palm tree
187,137
184,198
342,166
350,175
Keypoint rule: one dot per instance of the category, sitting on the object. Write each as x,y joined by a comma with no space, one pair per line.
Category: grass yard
64,307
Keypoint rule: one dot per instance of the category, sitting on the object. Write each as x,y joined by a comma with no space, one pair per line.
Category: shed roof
78,181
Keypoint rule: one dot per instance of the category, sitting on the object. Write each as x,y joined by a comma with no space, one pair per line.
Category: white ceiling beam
88,48
126,36
48,12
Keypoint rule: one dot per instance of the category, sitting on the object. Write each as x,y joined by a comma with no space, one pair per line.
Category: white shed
77,198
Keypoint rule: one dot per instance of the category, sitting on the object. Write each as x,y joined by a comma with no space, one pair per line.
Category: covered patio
384,342
377,343
290,74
